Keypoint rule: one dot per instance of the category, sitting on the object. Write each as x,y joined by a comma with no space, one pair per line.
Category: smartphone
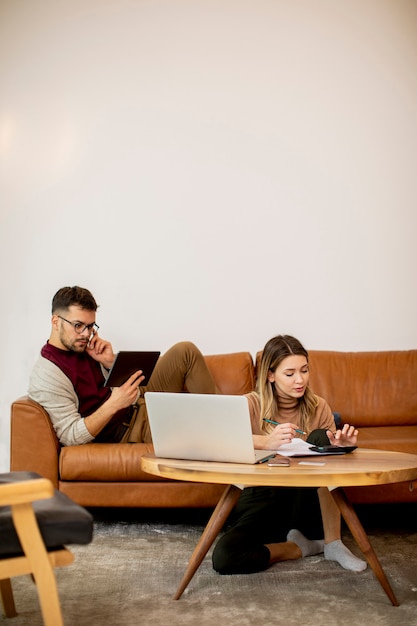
279,461
333,449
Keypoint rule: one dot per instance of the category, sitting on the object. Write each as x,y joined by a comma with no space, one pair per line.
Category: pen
297,430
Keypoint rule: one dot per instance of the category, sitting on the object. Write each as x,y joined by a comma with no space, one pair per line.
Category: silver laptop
202,427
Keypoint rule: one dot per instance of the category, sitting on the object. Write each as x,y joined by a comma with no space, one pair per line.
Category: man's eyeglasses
79,327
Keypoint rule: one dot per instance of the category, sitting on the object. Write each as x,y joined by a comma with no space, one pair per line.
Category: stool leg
42,569
7,598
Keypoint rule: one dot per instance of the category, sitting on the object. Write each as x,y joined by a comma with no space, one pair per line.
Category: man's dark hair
77,296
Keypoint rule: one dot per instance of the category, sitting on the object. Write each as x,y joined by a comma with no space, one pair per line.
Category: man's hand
128,393
120,398
101,350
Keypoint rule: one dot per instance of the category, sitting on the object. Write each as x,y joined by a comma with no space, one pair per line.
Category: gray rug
129,573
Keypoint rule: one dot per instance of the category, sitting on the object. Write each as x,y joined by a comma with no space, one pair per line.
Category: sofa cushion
61,521
397,438
233,373
367,388
104,462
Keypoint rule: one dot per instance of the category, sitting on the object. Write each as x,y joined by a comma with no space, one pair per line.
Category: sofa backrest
233,373
367,388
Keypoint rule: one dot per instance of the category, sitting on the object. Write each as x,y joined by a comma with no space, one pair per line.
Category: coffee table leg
362,540
215,524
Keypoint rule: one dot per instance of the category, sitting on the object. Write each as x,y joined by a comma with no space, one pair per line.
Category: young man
67,379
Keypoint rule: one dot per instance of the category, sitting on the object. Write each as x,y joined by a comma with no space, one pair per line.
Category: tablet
126,363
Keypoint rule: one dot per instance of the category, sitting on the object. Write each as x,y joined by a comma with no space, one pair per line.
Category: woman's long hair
277,349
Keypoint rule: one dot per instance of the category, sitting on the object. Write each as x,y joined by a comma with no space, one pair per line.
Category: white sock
337,551
308,547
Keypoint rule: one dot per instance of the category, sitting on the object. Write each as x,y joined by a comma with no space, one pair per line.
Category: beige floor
128,575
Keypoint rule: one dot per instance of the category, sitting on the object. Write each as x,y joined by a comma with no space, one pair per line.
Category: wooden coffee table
360,468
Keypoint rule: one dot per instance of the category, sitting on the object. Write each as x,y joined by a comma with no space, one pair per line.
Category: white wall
213,170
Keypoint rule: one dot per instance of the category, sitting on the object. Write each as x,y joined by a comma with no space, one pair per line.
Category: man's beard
78,345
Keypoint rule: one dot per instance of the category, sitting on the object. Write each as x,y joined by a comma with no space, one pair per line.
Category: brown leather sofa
375,391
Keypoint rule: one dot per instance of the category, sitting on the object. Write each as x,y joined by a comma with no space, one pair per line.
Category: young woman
271,524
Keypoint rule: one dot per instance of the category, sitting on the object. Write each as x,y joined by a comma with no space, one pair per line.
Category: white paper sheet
297,447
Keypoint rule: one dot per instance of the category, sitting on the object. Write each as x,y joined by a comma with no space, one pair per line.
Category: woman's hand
347,436
282,434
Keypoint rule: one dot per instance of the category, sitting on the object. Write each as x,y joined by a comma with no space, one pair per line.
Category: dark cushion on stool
61,521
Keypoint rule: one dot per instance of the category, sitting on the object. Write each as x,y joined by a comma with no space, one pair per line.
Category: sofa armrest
34,446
